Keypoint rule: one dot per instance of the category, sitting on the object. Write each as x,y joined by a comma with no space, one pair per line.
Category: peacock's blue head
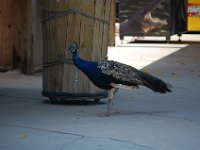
73,48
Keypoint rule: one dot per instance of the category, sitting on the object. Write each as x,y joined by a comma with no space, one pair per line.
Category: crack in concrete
38,129
129,143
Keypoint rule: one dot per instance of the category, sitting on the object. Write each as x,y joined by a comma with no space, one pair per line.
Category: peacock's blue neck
78,61
84,65
75,57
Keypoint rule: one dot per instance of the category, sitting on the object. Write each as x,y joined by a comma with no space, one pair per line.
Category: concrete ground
141,119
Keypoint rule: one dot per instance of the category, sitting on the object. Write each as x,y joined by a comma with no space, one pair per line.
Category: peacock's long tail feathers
155,84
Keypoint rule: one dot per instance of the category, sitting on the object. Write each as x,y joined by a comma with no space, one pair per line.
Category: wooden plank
87,36
86,46
1,33
96,28
111,41
22,35
103,51
69,70
46,49
30,36
51,49
17,33
73,35
45,80
37,32
106,28
98,36
53,36
73,32
25,36
7,33
1,47
87,28
7,47
62,29
102,40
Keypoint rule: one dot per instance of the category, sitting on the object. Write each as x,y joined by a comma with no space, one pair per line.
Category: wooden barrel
85,22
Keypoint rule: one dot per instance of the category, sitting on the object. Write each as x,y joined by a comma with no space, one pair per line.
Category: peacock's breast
94,73
98,78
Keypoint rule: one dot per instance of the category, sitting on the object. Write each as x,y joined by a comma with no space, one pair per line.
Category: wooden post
63,79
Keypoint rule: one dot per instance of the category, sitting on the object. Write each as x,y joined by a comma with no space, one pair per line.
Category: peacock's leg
110,98
109,105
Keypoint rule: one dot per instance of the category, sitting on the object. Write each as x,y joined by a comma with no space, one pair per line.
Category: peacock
111,75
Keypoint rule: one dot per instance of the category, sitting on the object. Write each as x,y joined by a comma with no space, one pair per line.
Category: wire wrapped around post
59,13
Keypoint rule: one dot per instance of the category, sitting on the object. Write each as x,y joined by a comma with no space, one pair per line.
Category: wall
20,35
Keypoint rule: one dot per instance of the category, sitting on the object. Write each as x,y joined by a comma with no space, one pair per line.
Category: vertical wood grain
60,32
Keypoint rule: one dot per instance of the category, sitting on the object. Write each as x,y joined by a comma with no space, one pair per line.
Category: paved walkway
141,119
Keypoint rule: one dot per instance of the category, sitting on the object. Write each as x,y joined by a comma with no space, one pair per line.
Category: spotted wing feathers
120,73
127,75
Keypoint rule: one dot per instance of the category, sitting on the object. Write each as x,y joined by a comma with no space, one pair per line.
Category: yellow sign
193,15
